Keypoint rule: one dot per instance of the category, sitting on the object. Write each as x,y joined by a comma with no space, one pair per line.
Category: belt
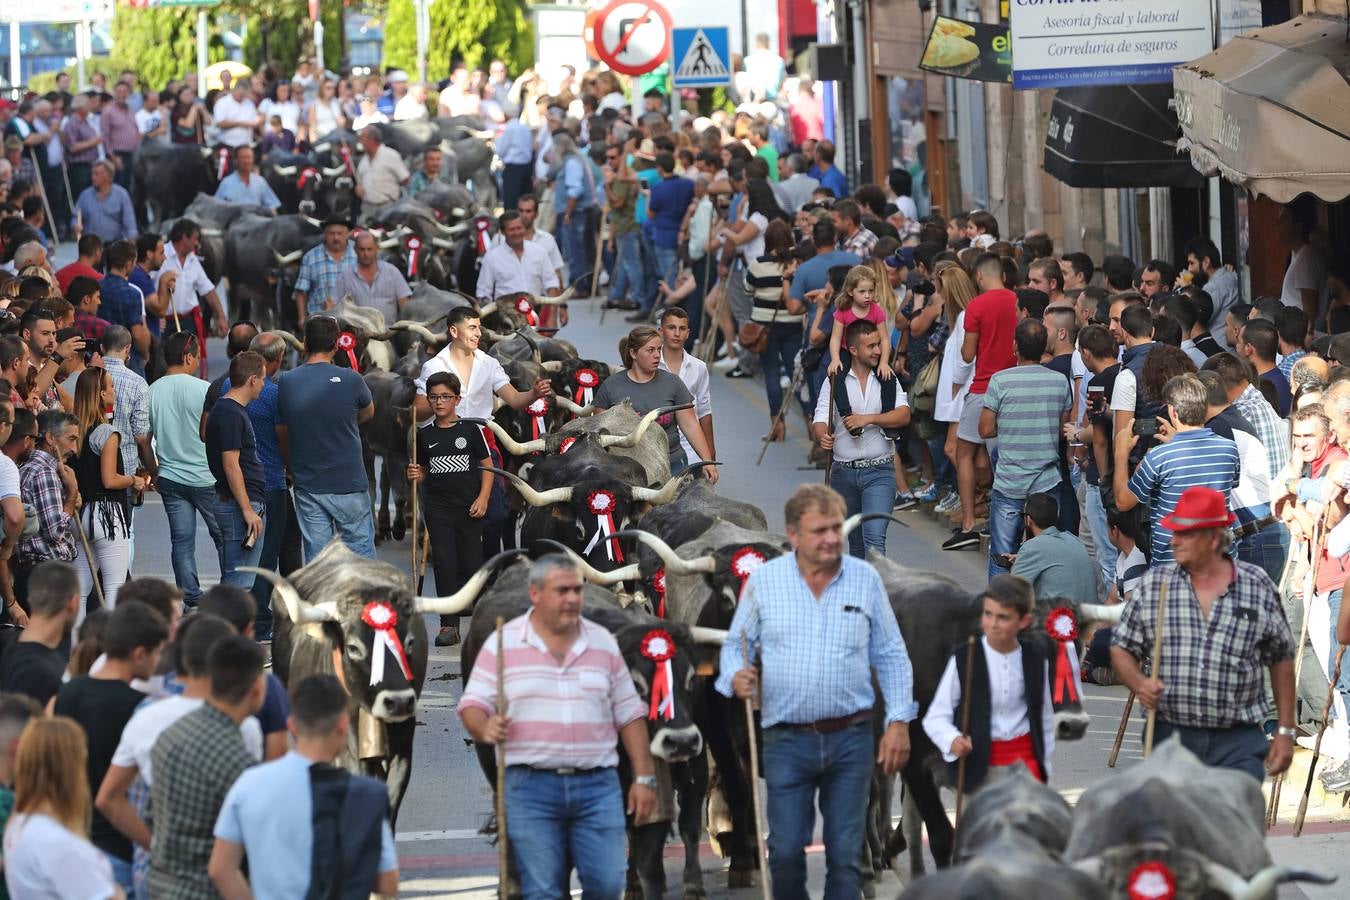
829,726
563,770
865,463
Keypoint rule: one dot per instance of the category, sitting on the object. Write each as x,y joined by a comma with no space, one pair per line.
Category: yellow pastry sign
968,50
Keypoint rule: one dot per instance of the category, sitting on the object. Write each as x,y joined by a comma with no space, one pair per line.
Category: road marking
453,834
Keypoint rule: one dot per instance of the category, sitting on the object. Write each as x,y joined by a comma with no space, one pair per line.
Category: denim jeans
1101,542
1242,747
1343,683
551,818
870,490
944,473
322,516
778,358
627,278
1268,548
705,272
667,265
1005,528
573,239
274,532
121,872
182,504
797,763
233,532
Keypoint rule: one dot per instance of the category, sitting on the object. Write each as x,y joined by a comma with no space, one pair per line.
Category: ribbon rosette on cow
306,174
346,153
1062,626
658,646
1151,881
347,344
414,245
527,311
566,444
602,504
538,411
587,381
383,618
481,225
222,163
744,563
659,585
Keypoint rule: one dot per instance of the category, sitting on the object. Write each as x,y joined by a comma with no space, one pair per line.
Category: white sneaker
727,362
784,382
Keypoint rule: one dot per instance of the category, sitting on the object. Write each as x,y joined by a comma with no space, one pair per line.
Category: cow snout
307,207
394,706
1070,725
677,744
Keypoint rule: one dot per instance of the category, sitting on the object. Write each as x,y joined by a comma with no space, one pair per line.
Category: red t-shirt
993,316
66,274
1332,571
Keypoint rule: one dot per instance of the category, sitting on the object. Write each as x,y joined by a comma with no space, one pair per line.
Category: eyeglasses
442,398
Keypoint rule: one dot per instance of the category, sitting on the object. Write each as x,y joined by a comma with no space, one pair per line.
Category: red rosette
523,306
305,175
346,341
587,378
745,561
1151,881
1062,624
566,444
601,502
380,616
659,585
538,408
658,645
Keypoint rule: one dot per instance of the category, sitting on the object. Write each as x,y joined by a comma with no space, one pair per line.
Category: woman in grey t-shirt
642,383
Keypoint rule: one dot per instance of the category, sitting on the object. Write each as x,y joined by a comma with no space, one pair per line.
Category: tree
475,33
280,31
159,43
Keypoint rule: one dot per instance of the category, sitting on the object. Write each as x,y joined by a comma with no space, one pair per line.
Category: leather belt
565,770
829,726
865,463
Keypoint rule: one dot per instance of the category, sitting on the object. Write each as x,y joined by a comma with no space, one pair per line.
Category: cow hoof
740,878
398,531
694,892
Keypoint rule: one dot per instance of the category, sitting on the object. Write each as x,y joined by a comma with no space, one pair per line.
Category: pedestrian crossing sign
701,56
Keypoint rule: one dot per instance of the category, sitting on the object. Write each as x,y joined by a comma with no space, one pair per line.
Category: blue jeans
870,490
1343,683
1268,548
182,504
233,532
627,278
573,239
1005,528
1101,542
274,532
797,763
944,473
785,339
322,516
667,265
551,818
1242,747
121,872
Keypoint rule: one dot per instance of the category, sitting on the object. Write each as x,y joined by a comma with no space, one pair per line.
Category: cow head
1056,630
659,660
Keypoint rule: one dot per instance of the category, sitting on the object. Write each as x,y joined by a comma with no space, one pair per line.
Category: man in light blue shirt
822,623
244,185
515,147
105,207
299,819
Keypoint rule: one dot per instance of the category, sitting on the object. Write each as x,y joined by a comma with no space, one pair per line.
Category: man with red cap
1222,623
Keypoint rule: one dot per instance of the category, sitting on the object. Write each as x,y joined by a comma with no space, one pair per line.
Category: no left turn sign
633,36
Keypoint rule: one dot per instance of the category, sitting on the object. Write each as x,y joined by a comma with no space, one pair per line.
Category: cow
426,246
167,178
1172,818
620,431
357,618
450,202
385,437
305,187
215,217
261,255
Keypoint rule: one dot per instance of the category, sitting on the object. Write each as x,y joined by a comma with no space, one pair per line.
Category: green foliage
46,81
280,31
159,44
475,32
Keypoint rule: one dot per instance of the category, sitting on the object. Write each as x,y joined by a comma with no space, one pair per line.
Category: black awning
1121,136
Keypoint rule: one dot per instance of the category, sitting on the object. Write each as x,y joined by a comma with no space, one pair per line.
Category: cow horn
853,522
634,437
675,564
333,172
442,243
590,572
458,212
702,634
666,493
568,404
514,447
533,497
284,171
210,232
463,598
560,300
285,259
487,309
205,152
1097,612
496,336
292,340
1261,884
313,221
416,328
320,148
552,365
297,609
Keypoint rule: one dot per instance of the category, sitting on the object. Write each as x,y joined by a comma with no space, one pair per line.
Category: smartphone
1096,396
1005,560
1145,427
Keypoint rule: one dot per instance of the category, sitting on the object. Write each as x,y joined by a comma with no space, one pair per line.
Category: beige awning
1270,110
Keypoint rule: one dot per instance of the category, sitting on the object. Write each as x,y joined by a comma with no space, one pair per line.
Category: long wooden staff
965,728
414,492
1309,594
501,763
1317,747
829,454
46,202
1120,731
96,575
765,888
1155,668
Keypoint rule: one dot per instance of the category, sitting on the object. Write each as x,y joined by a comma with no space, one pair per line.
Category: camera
925,288
1145,427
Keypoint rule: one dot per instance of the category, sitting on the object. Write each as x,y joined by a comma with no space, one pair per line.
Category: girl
326,114
98,471
858,300
955,290
769,278
189,118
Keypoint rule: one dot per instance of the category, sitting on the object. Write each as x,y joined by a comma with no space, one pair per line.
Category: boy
1131,566
458,484
1008,723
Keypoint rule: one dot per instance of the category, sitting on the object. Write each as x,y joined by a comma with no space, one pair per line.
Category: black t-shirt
1105,421
214,391
1208,346
32,669
451,457
102,707
229,428
276,707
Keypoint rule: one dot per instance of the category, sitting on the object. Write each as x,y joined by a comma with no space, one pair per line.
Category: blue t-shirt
1194,457
142,280
229,428
1281,385
670,198
266,417
320,401
814,274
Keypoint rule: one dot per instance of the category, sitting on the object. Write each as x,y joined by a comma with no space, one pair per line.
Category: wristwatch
1286,731
647,781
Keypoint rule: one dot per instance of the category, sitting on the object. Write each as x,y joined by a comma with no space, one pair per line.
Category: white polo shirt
228,109
543,239
502,272
192,281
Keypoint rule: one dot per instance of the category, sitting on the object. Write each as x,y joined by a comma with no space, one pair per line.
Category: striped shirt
764,278
1028,403
1273,431
1193,457
818,654
562,716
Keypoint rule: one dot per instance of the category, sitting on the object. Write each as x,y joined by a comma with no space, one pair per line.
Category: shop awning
1119,136
1270,110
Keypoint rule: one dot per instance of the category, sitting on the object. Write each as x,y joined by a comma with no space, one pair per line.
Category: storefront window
907,135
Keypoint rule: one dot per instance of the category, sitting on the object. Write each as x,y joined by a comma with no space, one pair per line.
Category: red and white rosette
587,381
306,174
414,245
383,618
1151,881
347,344
527,311
658,646
744,562
566,444
1062,626
222,163
538,412
346,153
602,504
659,585
481,225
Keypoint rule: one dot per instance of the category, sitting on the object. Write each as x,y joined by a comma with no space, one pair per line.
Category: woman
346,98
279,102
644,384
769,278
325,113
954,292
106,515
189,118
47,851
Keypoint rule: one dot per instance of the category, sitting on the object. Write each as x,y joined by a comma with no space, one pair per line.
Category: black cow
306,187
167,178
260,256
215,218
425,248
385,437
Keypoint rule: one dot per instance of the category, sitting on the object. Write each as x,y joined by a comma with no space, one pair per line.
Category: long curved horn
487,309
442,243
285,171
285,259
514,447
662,495
590,572
570,405
320,148
463,598
297,609
416,328
497,335
292,340
560,300
853,522
389,244
333,172
458,212
533,497
210,232
1097,612
675,565
632,439
313,221
552,365
702,634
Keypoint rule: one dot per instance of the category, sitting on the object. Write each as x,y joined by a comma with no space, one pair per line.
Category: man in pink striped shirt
571,700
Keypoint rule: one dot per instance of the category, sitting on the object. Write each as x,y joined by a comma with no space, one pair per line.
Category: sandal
777,433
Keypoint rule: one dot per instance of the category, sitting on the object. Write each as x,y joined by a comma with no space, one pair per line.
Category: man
517,265
1098,351
231,452
1055,563
562,789
153,120
793,186
131,409
1257,343
190,286
82,142
372,282
1046,275
1077,270
121,133
825,172
668,202
575,198
1128,401
105,208
1025,407
622,190
236,116
1221,282
413,105
1191,455
48,485
853,237
83,295
1182,310
1208,687
325,454
157,296
861,442
34,665
528,207
1158,277
1291,326
123,304
764,149
31,253
691,370
244,185
184,478
427,176
239,339
196,760
1305,278
1238,377
46,357
817,710
764,69
320,269
90,254
380,174
308,828
12,516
